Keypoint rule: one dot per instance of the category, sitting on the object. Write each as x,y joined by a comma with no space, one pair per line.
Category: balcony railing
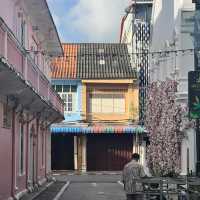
21,61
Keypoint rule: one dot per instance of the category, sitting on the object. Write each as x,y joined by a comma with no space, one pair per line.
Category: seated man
132,171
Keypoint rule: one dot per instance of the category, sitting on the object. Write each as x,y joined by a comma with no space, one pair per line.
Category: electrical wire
146,52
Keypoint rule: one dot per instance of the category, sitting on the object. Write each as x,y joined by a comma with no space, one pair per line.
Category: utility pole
197,68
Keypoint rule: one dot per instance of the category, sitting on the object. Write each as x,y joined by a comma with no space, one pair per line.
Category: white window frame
34,51
66,98
18,23
21,26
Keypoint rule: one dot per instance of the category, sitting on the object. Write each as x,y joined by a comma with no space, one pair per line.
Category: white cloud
97,20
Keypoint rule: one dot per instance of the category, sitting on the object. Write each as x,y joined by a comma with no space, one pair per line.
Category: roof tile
65,67
93,61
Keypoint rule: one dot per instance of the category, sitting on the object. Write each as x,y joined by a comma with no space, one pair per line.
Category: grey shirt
132,171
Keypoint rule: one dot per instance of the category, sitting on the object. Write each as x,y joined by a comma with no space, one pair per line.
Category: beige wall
131,101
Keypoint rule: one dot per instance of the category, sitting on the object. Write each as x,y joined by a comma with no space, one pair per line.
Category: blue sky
88,20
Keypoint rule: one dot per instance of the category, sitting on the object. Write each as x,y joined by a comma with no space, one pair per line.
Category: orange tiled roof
65,67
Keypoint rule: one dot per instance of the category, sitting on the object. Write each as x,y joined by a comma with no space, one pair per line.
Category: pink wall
7,169
41,171
6,157
7,12
5,164
20,178
6,160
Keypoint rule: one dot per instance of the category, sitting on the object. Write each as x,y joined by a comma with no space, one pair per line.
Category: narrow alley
87,186
90,187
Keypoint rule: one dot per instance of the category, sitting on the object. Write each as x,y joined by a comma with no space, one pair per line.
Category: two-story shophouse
99,89
28,103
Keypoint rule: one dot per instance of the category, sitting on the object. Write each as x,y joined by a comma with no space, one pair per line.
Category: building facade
101,96
135,32
28,103
172,40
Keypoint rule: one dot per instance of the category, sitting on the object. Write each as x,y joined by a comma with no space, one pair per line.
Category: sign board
196,1
194,94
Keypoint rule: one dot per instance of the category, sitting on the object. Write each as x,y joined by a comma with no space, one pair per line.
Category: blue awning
98,130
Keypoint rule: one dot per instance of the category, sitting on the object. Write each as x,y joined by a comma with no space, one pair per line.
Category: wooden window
21,149
7,116
107,103
119,103
95,103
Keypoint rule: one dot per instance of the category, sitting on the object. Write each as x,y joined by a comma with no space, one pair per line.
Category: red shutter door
108,152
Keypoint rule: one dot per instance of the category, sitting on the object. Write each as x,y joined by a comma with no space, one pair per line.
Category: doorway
62,152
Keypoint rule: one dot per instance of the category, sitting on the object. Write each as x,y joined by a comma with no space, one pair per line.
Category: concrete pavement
86,186
99,186
94,191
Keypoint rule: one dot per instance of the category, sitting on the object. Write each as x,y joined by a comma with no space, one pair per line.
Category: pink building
28,104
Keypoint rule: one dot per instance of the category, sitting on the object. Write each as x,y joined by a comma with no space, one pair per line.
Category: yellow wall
84,101
131,100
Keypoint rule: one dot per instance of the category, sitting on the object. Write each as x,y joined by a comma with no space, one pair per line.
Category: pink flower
164,122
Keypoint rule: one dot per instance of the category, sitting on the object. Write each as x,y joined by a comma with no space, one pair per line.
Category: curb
62,190
42,190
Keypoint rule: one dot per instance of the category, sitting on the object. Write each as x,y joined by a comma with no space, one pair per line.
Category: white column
84,154
188,143
143,153
75,154
134,143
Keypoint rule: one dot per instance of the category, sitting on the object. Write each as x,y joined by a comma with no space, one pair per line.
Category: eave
13,86
121,81
45,26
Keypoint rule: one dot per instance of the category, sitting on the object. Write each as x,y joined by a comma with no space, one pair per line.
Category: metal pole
197,68
198,148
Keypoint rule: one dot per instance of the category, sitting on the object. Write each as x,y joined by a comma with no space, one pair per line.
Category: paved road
93,187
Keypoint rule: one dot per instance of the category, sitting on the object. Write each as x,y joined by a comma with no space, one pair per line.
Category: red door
108,152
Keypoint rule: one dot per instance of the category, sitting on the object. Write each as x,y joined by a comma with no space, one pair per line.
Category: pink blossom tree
164,123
